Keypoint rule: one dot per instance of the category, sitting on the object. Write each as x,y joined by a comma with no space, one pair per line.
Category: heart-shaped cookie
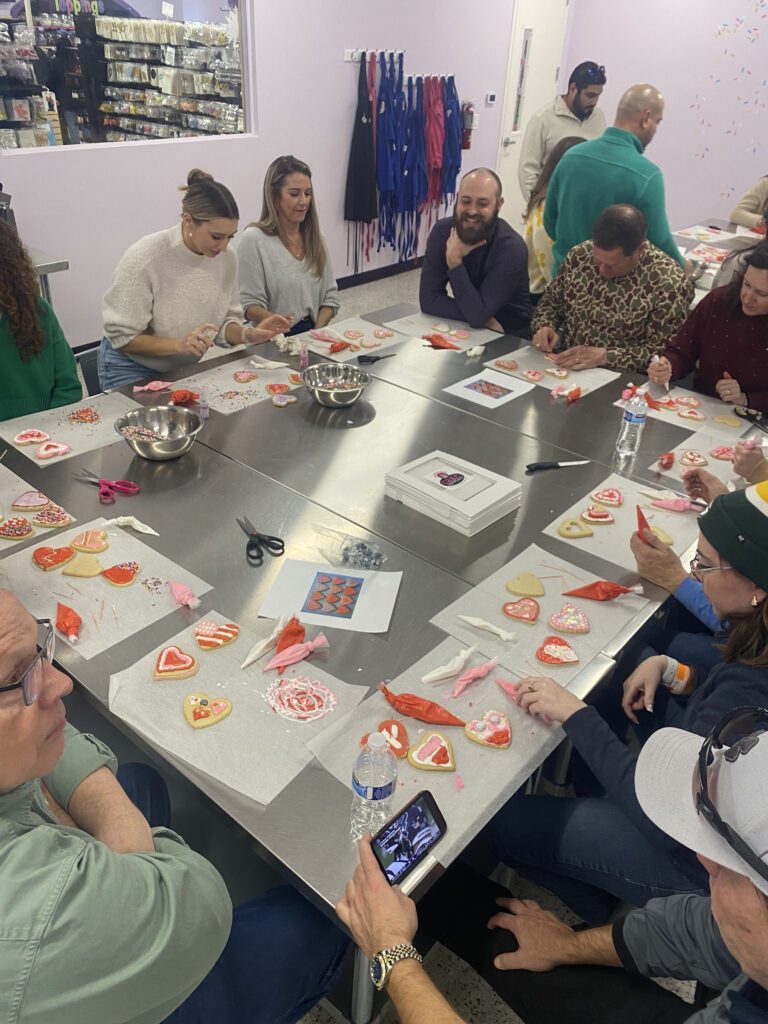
693,458
532,375
123,574
524,610
50,449
506,364
689,401
278,389
201,711
492,730
554,650
173,663
396,736
87,414
283,401
52,558
31,436
569,619
724,452
597,515
461,334
295,378
609,496
728,421
16,528
445,328
383,332
91,541
526,584
245,376
29,501
84,566
573,529
52,517
433,753
210,636
691,414
663,536
354,334
557,371
667,403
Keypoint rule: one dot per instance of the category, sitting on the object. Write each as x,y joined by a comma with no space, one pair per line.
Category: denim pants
282,955
116,368
586,851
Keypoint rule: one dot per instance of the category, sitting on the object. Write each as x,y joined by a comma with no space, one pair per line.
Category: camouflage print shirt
633,317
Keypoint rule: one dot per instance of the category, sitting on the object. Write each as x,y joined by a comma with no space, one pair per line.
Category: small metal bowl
335,384
178,428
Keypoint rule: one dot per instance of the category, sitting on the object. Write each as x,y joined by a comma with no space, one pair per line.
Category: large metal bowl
335,384
178,428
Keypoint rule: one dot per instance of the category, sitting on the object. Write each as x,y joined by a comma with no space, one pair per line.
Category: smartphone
407,838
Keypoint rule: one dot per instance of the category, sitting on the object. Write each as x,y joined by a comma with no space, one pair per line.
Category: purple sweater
491,281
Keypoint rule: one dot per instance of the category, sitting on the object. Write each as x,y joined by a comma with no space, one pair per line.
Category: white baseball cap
667,785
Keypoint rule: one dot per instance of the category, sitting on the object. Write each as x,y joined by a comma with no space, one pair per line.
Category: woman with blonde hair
174,293
37,367
284,264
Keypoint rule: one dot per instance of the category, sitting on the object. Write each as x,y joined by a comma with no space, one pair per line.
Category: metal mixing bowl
177,426
335,384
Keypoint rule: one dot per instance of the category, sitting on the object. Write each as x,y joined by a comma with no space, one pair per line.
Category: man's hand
456,251
700,483
546,339
544,941
656,561
582,357
640,688
660,371
541,696
729,390
378,915
747,459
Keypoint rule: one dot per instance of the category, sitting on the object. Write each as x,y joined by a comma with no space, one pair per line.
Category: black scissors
258,542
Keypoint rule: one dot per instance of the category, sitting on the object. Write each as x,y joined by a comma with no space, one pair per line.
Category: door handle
508,142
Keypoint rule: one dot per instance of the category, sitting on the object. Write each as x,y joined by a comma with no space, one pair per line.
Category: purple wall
90,203
710,60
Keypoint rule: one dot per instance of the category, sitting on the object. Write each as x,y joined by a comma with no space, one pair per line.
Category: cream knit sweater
161,287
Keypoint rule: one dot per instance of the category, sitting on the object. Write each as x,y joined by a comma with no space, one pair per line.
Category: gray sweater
270,277
677,937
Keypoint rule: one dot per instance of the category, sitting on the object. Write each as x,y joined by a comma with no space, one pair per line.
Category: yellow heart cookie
526,585
83,565
728,421
663,536
573,529
200,710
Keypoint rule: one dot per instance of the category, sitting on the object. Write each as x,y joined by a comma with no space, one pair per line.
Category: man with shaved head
484,260
610,170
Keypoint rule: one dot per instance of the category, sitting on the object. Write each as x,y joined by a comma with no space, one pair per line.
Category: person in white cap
709,796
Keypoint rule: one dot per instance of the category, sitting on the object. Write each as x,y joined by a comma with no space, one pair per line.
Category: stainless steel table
45,265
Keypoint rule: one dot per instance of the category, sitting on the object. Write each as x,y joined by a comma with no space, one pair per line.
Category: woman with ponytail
175,293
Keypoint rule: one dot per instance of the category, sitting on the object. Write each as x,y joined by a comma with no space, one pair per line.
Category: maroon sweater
718,342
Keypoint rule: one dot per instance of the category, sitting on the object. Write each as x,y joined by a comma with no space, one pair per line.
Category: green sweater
597,174
43,382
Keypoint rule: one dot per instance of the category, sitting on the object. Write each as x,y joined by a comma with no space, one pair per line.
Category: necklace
295,249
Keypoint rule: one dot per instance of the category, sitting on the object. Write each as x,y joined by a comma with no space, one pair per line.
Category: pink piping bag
472,675
297,652
183,595
154,385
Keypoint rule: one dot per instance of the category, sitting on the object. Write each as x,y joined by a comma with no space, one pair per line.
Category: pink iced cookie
354,335
50,449
31,436
532,375
383,332
724,452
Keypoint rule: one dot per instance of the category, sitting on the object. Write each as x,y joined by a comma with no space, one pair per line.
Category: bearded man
484,260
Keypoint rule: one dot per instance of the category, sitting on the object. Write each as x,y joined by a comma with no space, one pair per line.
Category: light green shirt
88,936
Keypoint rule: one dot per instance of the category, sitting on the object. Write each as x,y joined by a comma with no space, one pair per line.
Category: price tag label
167,9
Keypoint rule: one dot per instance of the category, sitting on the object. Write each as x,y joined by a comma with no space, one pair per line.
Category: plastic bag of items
344,549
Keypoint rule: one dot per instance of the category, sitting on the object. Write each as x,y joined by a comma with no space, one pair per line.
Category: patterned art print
488,388
333,595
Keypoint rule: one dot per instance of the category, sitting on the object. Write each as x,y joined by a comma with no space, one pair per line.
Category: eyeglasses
597,70
697,569
31,679
738,730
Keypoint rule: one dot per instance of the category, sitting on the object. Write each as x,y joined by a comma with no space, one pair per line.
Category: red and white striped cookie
210,636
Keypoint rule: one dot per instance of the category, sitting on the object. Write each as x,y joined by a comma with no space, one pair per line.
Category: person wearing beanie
592,851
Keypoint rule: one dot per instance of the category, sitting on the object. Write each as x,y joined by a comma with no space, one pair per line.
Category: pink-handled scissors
108,489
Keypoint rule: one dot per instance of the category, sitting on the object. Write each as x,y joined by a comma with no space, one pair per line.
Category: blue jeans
282,955
307,324
587,852
117,369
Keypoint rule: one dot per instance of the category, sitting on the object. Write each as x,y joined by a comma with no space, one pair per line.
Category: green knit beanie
736,525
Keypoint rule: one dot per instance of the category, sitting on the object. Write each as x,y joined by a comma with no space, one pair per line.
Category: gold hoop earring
754,601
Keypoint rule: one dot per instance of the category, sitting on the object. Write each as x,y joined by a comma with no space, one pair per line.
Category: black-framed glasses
739,730
30,681
697,569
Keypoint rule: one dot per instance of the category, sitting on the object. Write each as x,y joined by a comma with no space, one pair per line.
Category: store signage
78,6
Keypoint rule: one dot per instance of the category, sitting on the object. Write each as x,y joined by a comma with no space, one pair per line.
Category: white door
538,35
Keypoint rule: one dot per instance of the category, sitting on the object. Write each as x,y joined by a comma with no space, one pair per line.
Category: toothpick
73,587
562,570
95,623
5,452
57,594
114,612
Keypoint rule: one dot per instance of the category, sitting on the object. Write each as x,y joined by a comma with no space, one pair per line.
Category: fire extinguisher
467,123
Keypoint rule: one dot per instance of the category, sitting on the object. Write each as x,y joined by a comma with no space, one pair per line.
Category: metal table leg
45,289
362,989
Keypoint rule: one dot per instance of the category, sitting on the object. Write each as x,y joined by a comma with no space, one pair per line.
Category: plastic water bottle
374,777
632,423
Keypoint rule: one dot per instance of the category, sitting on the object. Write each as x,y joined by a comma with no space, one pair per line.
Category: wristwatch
383,962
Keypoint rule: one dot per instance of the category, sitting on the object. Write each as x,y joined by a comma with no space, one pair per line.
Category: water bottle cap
377,741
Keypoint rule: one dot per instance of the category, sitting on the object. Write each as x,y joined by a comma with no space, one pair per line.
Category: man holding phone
709,796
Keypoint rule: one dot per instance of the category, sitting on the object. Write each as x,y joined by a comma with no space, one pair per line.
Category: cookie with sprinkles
121,575
85,415
16,528
53,517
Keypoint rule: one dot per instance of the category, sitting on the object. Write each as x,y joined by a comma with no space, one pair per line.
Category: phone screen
405,840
